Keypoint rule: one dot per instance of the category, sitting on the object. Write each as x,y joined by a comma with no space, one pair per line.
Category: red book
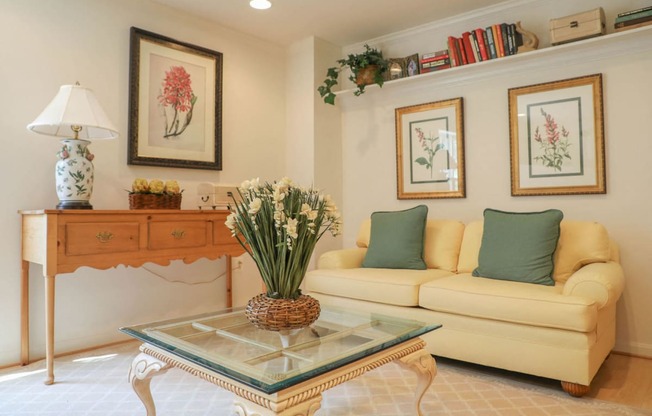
432,55
468,49
435,58
479,33
460,48
452,50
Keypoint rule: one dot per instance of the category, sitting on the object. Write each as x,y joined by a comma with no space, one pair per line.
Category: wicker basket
282,314
154,201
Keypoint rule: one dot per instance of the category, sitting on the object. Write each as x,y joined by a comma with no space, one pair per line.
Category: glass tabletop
225,342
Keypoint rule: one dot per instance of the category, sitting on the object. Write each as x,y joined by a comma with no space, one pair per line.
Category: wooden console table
64,240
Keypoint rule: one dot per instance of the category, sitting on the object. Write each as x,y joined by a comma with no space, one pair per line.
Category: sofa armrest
603,282
348,258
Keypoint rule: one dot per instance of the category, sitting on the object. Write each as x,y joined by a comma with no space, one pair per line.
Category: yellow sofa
562,332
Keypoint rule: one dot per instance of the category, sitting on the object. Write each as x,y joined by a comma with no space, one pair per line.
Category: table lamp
75,112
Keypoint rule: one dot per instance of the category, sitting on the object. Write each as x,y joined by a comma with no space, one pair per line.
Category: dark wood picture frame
175,103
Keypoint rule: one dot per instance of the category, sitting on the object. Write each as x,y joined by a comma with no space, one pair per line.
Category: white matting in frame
430,150
557,139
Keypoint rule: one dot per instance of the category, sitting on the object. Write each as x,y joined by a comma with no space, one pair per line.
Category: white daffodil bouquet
279,224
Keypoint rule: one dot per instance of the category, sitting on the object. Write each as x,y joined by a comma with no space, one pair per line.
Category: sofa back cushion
580,243
470,250
441,245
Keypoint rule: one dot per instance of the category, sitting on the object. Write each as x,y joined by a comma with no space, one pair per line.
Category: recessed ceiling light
260,4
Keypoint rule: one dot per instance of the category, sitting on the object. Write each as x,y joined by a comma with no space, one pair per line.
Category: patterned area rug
95,383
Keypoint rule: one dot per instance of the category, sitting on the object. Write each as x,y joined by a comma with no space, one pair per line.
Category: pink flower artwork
555,148
177,98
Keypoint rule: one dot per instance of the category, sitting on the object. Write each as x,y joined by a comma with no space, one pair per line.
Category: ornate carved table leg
422,363
305,408
143,368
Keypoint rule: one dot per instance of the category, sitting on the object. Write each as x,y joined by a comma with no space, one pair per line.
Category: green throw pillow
519,246
396,240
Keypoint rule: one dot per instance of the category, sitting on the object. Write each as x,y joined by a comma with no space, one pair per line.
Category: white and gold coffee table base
303,399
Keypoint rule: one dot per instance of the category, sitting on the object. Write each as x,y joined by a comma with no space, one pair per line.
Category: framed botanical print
175,103
430,150
557,138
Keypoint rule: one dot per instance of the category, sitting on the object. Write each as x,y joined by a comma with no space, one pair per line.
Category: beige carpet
95,383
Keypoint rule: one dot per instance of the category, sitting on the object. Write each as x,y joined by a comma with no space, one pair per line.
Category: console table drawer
221,234
101,237
178,234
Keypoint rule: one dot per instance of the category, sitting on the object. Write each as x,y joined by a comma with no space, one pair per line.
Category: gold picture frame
557,138
430,150
175,103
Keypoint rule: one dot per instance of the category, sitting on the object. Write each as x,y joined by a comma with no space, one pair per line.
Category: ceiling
342,22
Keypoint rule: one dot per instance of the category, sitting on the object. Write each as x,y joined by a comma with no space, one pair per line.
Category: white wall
45,44
49,43
369,155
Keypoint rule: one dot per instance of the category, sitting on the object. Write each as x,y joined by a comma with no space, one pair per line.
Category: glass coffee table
274,373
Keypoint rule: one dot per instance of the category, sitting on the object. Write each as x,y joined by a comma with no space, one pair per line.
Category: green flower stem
282,250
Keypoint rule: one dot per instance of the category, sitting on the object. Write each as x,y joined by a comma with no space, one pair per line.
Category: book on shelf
477,45
633,22
454,51
434,55
460,48
434,69
474,47
433,64
482,43
490,43
485,37
634,16
504,30
468,49
498,41
514,39
634,26
644,9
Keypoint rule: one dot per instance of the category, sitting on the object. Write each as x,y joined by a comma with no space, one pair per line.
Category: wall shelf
599,48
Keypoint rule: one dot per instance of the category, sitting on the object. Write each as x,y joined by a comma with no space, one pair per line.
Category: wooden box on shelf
577,26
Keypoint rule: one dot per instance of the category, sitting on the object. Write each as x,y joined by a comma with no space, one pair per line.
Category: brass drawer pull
178,234
104,236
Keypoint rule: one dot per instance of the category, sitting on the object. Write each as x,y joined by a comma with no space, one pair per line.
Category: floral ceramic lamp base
74,175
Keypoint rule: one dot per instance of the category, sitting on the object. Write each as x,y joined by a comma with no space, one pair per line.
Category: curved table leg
306,408
422,363
143,368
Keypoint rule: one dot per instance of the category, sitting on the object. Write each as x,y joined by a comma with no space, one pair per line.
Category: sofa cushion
519,246
536,305
396,240
442,242
390,286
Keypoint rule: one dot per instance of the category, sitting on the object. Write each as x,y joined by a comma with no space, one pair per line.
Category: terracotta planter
366,75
